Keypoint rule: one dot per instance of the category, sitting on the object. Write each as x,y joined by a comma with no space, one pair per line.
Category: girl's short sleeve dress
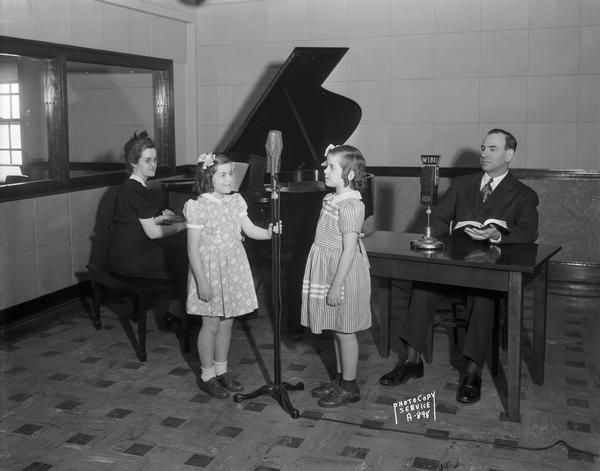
223,256
340,214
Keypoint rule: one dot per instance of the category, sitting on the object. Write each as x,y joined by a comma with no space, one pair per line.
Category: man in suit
495,194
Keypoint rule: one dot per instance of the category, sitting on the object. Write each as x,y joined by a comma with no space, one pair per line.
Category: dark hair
351,160
134,147
511,141
204,177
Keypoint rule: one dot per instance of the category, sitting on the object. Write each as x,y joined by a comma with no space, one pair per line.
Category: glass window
10,124
66,113
106,105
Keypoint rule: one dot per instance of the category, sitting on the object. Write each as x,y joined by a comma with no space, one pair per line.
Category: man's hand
483,234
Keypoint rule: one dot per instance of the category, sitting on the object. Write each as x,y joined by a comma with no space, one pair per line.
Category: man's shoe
323,389
470,389
401,373
213,388
339,397
227,381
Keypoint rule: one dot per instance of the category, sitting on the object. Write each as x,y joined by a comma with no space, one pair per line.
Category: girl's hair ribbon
207,159
328,148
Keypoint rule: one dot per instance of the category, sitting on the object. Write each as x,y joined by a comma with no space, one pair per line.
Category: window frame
55,88
11,122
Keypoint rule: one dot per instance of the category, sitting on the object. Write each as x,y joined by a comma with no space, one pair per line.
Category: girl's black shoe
213,388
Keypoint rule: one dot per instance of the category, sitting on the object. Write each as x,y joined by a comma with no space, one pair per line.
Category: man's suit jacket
511,201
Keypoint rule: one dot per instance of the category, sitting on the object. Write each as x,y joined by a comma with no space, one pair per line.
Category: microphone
274,146
429,179
429,186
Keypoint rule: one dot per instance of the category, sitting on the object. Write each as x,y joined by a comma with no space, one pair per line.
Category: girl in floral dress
336,287
220,283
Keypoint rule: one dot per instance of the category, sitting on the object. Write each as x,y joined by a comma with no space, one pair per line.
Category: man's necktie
486,191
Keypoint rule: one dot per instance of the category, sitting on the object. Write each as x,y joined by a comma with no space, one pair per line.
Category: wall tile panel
52,21
553,51
17,220
52,219
551,13
17,18
504,53
84,23
504,14
18,282
54,268
412,56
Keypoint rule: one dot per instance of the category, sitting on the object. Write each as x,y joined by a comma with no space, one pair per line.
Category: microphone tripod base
278,392
427,243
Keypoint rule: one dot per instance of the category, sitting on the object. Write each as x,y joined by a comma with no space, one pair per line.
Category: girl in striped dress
336,287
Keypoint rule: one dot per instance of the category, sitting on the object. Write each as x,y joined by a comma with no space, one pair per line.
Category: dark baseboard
28,311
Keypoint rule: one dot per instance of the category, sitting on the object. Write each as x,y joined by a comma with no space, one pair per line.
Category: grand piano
309,118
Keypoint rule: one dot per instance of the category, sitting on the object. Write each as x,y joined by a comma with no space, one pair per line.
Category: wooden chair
455,321
138,290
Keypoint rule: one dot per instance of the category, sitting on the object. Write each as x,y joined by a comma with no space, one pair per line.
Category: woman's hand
334,296
168,217
204,291
277,229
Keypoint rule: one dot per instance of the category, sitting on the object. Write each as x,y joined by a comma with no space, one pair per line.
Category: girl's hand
334,296
277,229
204,292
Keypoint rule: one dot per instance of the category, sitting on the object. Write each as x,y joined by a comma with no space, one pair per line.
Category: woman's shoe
213,388
339,397
323,389
227,381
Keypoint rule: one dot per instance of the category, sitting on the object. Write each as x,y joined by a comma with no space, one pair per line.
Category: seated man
495,194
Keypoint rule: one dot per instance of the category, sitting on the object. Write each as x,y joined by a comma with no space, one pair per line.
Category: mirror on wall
106,105
66,113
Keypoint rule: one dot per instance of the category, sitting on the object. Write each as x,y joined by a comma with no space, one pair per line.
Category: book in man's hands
498,223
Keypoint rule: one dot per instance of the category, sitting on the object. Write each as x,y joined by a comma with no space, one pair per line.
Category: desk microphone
274,146
429,186
429,179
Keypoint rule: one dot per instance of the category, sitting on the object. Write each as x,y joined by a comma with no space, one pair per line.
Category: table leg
515,319
384,307
539,324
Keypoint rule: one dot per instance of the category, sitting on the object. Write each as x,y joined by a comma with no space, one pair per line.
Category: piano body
309,118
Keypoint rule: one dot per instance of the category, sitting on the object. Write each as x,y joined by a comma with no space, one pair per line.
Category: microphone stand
276,389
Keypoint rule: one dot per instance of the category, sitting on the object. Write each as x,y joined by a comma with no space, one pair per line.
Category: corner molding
153,9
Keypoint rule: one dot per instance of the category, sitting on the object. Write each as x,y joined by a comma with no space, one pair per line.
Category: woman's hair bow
208,159
328,148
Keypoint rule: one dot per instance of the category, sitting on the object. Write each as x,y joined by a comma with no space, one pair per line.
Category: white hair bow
208,159
328,148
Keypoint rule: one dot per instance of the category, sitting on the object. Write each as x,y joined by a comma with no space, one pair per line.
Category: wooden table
471,264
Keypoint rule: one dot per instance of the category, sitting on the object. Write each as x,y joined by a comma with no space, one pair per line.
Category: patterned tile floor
73,398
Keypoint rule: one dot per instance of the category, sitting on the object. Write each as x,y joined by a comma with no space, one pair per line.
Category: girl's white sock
207,373
220,368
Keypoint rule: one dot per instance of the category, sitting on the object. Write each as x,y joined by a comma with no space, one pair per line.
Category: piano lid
308,116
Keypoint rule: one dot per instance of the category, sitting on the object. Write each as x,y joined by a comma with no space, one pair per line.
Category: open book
500,224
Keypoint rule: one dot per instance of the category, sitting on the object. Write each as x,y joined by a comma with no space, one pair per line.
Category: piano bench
138,290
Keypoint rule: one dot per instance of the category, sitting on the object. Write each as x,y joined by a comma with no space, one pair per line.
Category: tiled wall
432,76
46,242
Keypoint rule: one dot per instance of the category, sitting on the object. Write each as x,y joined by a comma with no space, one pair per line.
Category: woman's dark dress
130,251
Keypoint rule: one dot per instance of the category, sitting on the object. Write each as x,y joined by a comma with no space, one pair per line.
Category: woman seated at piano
146,240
